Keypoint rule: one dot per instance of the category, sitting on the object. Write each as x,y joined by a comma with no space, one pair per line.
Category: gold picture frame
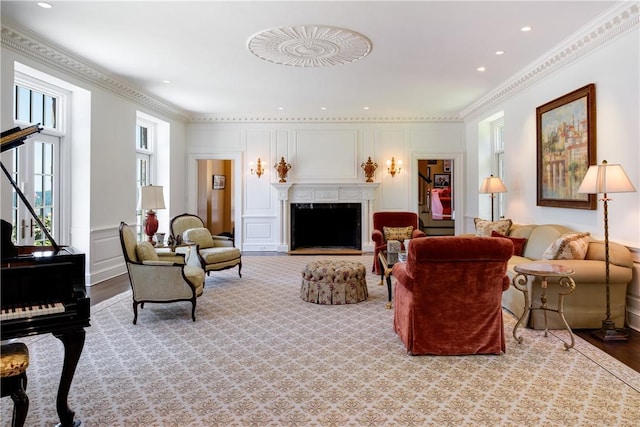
566,147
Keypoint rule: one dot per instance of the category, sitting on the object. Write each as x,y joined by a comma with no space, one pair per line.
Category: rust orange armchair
391,220
448,295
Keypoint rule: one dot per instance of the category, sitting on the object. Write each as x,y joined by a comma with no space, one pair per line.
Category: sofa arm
377,237
618,254
401,276
418,233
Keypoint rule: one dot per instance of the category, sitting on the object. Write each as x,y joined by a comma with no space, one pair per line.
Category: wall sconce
394,167
259,170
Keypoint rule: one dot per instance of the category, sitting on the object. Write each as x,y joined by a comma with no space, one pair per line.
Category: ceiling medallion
309,46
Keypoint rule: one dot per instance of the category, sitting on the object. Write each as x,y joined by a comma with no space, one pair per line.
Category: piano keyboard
21,312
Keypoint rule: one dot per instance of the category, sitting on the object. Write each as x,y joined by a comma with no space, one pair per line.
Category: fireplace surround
343,196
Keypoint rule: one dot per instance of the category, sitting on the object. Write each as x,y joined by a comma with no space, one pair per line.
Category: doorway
215,201
436,197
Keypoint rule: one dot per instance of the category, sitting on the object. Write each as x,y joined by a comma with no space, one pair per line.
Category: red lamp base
151,226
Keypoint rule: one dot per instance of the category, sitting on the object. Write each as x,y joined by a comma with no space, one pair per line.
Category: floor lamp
492,185
607,178
151,198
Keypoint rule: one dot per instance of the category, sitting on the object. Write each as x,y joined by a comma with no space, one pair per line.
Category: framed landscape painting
566,147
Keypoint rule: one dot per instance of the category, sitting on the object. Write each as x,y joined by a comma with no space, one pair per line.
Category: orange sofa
448,295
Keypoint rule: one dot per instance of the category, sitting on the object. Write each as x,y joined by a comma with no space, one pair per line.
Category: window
497,135
35,164
144,156
33,107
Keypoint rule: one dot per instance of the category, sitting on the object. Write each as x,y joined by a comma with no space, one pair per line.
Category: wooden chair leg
19,396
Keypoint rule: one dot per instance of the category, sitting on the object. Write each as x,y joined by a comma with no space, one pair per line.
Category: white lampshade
151,197
492,184
606,178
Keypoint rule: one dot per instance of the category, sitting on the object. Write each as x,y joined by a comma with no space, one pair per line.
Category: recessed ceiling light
481,69
166,81
323,108
280,108
44,5
366,108
525,29
500,52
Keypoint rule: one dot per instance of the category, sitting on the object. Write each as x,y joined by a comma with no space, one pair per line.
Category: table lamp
607,178
151,198
492,185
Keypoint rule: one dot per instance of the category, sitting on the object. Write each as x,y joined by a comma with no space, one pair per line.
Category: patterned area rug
260,356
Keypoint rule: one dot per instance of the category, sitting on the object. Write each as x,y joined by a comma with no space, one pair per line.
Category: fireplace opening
326,225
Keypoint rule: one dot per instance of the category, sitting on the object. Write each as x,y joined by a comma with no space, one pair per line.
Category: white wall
102,165
321,153
615,70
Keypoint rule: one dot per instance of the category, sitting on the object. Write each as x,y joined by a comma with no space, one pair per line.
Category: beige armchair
159,277
215,253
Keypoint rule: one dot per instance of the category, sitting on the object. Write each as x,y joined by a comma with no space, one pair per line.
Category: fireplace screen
326,225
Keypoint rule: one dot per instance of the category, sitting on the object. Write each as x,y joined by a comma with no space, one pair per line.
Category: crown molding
310,119
618,20
31,45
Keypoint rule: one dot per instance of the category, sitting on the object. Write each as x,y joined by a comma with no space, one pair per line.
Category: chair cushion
15,359
484,227
201,236
397,233
220,254
518,242
568,246
146,252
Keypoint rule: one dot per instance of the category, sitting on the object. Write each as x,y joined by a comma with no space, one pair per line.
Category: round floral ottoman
334,282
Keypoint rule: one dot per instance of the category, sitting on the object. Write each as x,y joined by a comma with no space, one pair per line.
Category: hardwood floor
627,352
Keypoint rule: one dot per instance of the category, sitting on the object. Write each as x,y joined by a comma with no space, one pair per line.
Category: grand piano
43,291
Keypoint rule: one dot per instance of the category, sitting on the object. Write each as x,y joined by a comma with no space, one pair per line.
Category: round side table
544,270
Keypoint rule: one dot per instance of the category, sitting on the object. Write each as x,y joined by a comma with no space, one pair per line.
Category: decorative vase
369,169
160,239
282,168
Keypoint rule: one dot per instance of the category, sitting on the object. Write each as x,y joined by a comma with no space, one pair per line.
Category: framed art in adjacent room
441,180
566,147
219,182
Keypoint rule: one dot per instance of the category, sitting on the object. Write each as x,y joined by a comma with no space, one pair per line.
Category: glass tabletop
543,269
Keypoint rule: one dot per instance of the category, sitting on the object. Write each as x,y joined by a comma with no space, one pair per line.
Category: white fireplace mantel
363,193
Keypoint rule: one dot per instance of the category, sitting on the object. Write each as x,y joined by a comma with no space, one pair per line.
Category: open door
435,198
215,195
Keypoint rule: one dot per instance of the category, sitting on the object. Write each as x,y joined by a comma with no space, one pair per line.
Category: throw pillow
518,243
146,252
397,233
484,227
568,246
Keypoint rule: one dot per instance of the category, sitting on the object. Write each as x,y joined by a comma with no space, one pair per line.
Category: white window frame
55,135
148,155
497,155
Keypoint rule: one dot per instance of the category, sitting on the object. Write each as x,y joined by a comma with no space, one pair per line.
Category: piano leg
73,342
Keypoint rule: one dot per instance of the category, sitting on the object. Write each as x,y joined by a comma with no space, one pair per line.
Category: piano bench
13,375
